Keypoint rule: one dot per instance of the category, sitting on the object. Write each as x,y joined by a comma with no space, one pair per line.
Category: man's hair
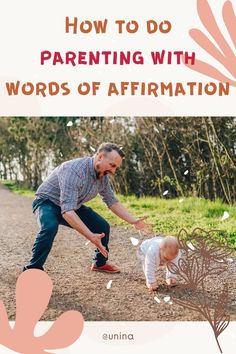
108,147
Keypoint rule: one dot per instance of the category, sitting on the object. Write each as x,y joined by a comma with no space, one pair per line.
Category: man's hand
124,214
96,240
152,286
74,221
143,226
171,281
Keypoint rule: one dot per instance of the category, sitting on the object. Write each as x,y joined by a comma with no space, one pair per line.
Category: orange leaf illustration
33,292
223,52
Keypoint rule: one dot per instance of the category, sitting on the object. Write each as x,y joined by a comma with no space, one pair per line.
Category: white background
149,337
29,27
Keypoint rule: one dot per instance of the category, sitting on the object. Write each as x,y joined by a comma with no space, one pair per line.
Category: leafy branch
202,258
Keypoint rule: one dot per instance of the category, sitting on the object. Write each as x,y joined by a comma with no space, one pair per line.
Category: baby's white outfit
149,253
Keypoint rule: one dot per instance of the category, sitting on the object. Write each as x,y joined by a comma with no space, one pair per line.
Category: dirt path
75,286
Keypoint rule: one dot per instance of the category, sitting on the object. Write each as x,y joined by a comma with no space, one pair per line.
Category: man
60,200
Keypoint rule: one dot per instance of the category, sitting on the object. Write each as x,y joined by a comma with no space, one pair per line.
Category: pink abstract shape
33,292
223,53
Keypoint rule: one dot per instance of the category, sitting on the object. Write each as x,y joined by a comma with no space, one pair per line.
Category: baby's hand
171,281
152,286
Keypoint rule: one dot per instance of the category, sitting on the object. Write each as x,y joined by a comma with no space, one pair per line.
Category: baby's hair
170,241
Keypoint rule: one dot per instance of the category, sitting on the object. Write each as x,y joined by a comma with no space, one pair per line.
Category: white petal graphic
167,298
134,241
165,192
186,172
225,216
109,284
157,299
190,245
69,124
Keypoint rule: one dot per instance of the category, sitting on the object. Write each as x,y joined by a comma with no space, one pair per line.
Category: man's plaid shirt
75,182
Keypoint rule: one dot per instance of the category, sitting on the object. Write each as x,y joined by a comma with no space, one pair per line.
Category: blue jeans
49,218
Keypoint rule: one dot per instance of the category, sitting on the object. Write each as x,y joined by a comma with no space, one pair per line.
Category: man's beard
99,174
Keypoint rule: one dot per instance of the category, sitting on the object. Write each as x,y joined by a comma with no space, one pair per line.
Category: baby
155,252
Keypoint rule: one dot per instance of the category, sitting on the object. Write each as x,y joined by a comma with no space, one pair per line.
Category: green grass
17,188
168,215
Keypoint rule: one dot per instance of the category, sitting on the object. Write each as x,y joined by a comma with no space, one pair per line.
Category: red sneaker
107,268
